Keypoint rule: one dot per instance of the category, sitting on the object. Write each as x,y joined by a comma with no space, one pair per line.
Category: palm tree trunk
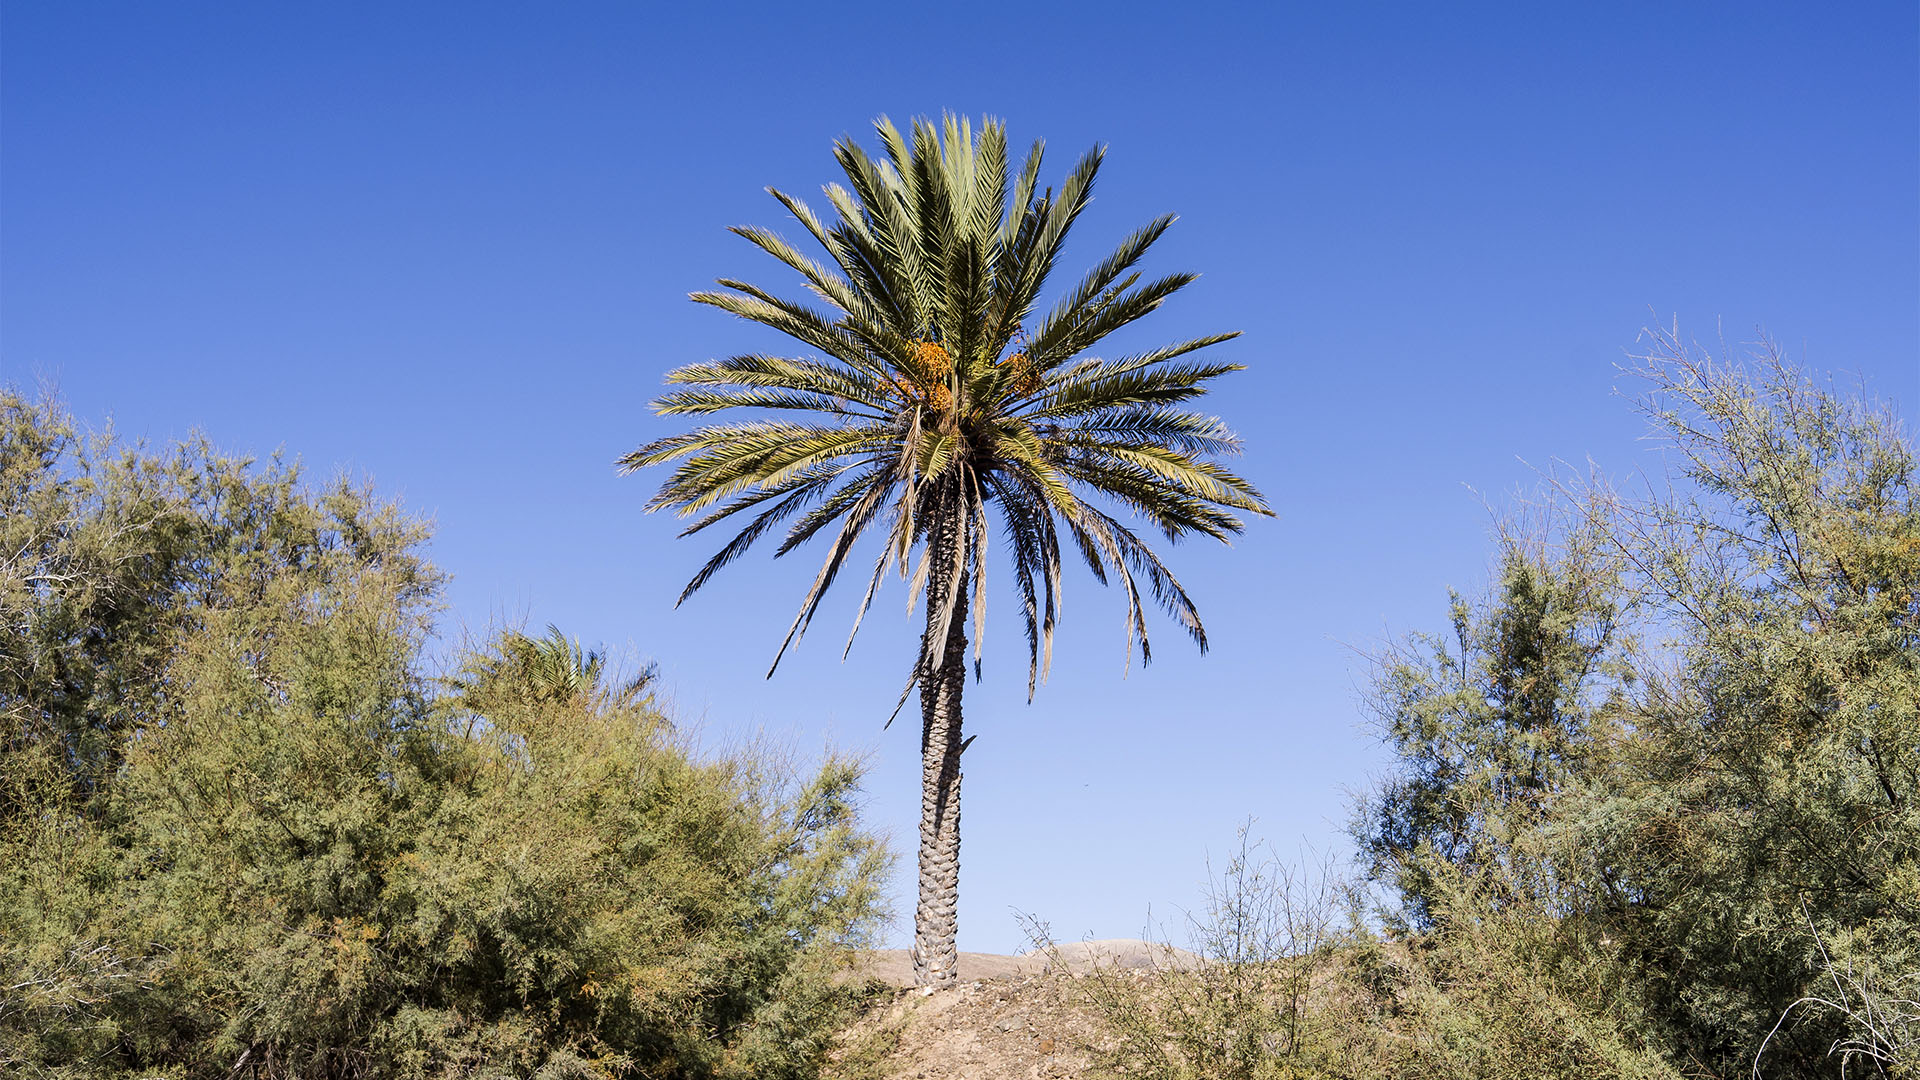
935,922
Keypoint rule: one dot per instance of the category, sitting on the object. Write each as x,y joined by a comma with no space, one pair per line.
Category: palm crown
935,392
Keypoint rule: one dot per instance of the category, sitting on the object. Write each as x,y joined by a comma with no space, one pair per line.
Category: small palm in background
934,397
550,670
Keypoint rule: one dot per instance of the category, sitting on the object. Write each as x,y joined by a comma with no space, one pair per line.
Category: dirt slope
1021,1027
1010,1018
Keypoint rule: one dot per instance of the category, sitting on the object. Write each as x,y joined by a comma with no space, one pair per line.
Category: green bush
1656,803
247,836
1288,982
1691,729
1503,986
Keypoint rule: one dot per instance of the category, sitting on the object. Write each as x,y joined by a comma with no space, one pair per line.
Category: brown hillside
1011,1017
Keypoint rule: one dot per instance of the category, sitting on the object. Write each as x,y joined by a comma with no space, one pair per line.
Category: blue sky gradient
448,247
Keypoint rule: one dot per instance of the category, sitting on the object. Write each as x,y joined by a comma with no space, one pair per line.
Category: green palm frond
1125,384
939,400
551,670
1149,425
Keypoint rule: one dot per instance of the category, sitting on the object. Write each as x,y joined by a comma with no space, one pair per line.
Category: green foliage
1713,758
114,556
1874,998
1503,988
934,388
1492,727
1287,982
246,837
524,671
1774,776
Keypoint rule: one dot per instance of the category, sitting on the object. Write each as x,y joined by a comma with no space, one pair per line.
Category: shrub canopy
1687,728
246,834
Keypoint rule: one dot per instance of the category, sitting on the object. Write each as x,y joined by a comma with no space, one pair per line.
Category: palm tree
555,669
935,395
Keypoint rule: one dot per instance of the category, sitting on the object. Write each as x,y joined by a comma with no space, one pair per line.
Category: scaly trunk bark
935,922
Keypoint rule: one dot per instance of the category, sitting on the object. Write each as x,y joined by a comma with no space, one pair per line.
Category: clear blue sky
448,247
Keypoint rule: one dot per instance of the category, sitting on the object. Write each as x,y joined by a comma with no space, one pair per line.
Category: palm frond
1083,327
1072,307
1125,385
1150,425
825,378
796,495
1035,257
700,402
930,398
859,515
1178,472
